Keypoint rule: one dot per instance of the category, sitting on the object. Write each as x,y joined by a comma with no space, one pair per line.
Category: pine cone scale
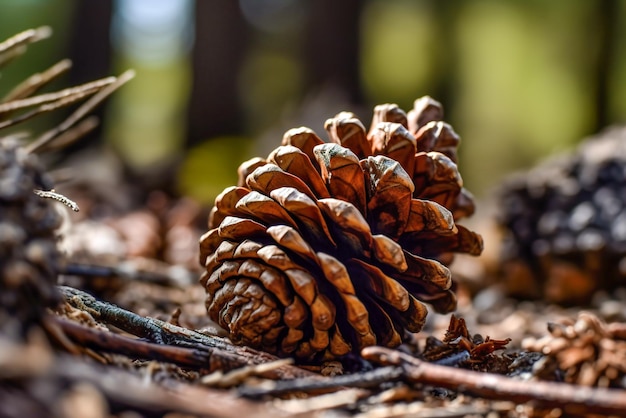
388,112
305,139
387,335
388,252
342,173
269,177
290,239
307,214
346,130
349,228
293,161
226,202
396,142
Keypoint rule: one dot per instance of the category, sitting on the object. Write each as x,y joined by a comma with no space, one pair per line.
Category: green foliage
270,80
517,99
212,166
146,118
399,51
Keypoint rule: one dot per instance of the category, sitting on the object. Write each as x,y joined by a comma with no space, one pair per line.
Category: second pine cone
326,248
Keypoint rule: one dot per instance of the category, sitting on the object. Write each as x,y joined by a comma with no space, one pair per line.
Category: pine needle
72,135
79,113
37,80
16,44
47,107
82,89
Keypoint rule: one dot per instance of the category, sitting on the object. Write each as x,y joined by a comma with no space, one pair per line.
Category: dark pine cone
325,248
565,223
28,250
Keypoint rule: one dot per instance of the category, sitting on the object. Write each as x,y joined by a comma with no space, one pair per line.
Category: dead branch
240,375
367,379
161,332
570,398
135,348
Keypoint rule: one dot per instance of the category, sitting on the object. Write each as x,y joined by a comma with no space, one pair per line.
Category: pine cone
29,257
565,223
325,248
28,251
586,351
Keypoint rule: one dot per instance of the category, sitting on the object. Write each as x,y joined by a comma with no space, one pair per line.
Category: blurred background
219,81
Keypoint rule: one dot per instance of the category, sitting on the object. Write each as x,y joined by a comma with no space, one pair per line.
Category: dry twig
161,332
367,379
570,398
135,348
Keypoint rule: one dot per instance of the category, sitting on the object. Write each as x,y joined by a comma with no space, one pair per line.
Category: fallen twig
161,332
367,379
133,347
570,398
237,376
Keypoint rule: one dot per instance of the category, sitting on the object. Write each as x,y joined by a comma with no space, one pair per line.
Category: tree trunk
332,55
221,38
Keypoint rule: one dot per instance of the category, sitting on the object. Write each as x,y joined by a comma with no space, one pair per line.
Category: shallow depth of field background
219,81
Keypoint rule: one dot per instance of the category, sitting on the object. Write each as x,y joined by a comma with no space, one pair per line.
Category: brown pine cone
28,250
325,248
586,351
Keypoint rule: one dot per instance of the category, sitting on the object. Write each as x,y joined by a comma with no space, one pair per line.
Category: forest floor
133,339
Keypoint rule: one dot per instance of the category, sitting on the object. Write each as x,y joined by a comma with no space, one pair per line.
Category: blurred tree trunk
331,46
90,50
607,15
221,38
447,19
90,41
